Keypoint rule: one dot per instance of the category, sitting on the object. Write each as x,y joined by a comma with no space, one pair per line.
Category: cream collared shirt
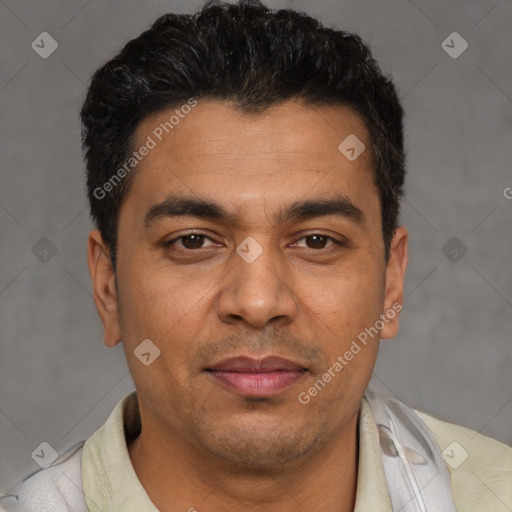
480,467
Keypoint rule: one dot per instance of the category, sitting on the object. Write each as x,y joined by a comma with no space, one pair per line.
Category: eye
196,241
190,241
319,241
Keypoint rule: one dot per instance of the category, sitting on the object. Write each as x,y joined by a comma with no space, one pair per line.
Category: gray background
453,354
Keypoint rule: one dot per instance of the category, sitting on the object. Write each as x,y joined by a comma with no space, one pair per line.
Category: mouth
257,377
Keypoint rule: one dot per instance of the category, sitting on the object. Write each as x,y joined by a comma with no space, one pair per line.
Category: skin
304,299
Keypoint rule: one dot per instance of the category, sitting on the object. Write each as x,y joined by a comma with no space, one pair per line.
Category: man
244,171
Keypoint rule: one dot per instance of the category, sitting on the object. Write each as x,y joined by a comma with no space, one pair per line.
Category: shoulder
57,488
480,467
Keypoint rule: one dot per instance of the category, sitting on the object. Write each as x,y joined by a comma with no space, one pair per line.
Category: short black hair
249,55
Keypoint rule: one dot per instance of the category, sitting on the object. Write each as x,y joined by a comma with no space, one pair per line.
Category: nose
257,291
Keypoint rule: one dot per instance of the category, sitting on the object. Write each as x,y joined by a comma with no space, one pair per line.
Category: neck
178,476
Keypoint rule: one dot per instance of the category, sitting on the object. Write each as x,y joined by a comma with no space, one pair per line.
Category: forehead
214,150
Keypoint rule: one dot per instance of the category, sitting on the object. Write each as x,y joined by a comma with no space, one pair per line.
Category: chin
257,448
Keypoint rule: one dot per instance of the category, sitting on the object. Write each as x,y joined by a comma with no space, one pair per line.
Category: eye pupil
318,241
196,241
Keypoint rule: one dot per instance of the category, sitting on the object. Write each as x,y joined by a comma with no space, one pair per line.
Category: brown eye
319,241
316,241
192,241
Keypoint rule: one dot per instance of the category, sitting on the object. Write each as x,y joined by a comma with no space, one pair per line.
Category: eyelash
335,241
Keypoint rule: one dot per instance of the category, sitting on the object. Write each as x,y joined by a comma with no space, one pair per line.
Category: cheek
345,310
158,301
349,297
170,313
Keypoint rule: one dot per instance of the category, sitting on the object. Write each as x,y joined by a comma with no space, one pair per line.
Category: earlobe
104,287
395,277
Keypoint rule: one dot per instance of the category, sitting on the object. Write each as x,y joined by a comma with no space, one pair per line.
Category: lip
250,364
257,377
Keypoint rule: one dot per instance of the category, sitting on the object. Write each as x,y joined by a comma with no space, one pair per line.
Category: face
251,237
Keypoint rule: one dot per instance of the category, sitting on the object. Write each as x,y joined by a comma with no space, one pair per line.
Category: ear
104,287
395,276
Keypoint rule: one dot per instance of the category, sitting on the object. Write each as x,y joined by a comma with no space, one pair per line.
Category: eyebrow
180,206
